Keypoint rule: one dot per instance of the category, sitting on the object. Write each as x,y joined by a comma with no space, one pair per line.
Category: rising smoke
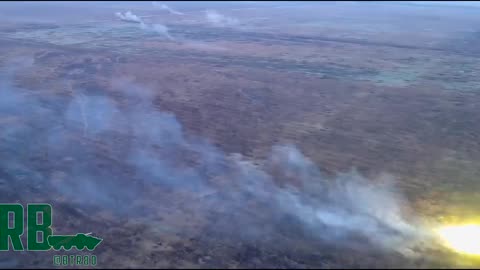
157,28
128,17
112,150
220,20
166,8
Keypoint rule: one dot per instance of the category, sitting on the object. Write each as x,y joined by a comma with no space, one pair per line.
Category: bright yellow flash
462,238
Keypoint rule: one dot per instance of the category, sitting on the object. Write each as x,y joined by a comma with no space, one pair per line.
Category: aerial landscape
244,134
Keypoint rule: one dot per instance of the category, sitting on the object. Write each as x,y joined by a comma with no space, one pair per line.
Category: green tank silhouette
80,241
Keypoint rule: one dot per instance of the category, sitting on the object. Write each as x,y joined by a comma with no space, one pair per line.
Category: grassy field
374,87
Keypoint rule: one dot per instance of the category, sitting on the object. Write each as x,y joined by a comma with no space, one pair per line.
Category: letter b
34,227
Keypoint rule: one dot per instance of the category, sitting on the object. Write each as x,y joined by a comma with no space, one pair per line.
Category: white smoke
220,20
140,139
167,8
158,28
349,204
332,208
128,17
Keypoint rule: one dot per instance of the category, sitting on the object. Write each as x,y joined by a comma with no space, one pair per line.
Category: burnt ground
355,88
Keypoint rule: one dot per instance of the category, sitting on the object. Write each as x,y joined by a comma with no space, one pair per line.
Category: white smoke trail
150,143
167,8
128,17
220,20
158,28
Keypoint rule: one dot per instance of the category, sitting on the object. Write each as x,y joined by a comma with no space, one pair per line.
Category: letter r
12,233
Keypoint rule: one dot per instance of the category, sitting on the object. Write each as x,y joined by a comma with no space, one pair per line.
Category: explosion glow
462,238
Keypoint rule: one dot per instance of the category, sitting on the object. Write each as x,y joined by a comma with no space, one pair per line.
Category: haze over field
244,134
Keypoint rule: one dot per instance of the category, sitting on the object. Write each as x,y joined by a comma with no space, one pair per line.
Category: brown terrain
380,88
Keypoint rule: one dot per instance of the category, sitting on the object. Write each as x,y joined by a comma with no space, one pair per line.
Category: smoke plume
166,8
112,150
128,17
220,20
157,28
